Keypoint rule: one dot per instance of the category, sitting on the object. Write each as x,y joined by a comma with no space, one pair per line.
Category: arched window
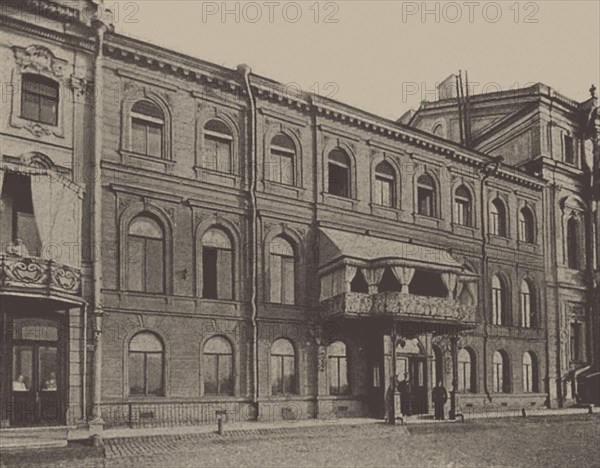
438,130
462,206
218,367
526,229
573,258
146,365
499,302
283,368
339,167
530,371
500,373
527,305
39,99
281,159
426,195
466,371
282,272
217,265
217,148
146,256
437,365
497,218
337,368
147,127
385,184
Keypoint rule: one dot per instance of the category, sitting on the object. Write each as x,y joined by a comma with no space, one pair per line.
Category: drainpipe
97,423
245,70
488,169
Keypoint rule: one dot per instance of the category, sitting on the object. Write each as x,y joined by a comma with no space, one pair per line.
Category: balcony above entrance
408,307
365,276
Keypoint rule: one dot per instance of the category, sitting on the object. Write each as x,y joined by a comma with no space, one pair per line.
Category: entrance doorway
37,372
412,363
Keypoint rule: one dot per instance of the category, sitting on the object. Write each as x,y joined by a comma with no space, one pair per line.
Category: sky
382,56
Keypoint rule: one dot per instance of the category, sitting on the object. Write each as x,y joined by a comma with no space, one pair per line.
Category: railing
408,306
37,275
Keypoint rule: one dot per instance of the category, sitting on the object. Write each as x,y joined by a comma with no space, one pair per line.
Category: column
454,352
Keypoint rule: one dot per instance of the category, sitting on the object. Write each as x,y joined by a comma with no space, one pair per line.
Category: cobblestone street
556,441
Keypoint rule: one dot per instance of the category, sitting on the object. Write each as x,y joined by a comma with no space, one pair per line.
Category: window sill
214,176
129,157
282,189
339,201
429,221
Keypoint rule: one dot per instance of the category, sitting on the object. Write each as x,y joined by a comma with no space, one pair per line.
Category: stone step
33,437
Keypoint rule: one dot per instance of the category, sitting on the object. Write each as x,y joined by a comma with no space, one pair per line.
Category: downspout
96,423
245,70
488,169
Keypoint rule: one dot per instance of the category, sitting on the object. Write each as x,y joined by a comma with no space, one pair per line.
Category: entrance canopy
336,245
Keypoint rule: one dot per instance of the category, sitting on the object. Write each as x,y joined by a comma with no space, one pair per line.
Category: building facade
180,239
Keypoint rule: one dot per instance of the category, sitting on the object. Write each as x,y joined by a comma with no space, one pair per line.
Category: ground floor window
146,365
338,369
283,368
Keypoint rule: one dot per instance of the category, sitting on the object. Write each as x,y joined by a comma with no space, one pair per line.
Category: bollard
96,440
591,408
220,427
523,413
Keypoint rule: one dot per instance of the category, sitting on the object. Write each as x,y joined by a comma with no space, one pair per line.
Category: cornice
48,9
146,193
86,44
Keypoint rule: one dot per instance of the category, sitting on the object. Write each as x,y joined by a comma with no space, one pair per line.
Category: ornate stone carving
39,59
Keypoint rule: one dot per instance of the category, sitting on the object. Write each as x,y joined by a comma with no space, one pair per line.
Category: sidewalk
238,428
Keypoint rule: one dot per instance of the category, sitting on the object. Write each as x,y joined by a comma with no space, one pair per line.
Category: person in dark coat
439,395
405,390
389,401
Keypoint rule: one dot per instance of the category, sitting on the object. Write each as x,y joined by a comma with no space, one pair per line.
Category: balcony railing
404,306
34,275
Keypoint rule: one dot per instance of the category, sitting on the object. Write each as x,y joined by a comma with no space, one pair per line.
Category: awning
336,245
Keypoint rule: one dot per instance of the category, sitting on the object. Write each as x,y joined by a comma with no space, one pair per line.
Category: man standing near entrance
405,390
439,395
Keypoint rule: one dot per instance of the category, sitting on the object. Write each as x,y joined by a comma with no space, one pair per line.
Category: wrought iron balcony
37,276
409,307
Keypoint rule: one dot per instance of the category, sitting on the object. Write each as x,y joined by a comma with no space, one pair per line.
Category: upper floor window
527,305
526,229
218,146
281,160
217,265
462,206
530,373
146,256
39,99
426,195
146,365
339,167
569,149
147,127
499,302
20,224
359,283
385,183
337,366
498,218
218,367
282,271
500,373
283,368
573,244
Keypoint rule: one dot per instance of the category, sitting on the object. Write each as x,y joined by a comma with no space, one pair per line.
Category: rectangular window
135,263
154,263
498,377
154,373
209,272
569,149
494,223
224,268
210,374
425,197
497,306
136,374
576,342
39,100
339,180
225,378
146,137
461,211
383,192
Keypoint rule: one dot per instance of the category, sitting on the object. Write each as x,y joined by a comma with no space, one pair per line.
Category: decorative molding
39,59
